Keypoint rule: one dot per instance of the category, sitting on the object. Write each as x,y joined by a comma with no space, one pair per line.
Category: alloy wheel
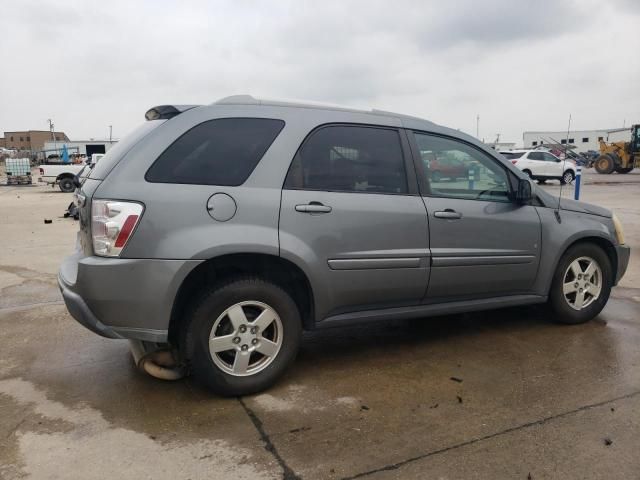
568,177
582,283
246,338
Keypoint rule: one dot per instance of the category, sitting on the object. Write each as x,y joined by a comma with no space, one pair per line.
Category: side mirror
524,195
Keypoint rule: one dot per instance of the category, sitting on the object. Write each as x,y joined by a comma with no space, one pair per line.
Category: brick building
30,140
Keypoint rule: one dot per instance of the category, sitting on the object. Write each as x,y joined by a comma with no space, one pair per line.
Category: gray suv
224,231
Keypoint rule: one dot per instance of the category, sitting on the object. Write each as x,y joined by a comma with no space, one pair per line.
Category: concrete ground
504,394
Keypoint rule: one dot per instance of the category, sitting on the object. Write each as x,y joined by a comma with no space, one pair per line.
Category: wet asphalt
499,394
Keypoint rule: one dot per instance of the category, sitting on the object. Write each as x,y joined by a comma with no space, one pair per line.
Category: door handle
448,214
313,207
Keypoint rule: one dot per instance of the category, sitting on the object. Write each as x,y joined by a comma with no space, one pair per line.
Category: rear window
217,152
510,155
101,169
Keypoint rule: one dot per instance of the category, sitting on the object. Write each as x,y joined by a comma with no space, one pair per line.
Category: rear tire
575,300
66,185
604,164
527,172
228,314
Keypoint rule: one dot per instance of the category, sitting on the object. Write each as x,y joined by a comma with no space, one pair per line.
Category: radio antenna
566,145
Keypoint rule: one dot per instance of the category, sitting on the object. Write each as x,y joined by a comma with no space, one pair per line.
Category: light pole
110,132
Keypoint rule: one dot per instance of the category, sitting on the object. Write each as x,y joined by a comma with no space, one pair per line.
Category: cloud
521,65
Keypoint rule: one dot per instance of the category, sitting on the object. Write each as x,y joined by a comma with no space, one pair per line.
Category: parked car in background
447,167
541,165
63,174
223,231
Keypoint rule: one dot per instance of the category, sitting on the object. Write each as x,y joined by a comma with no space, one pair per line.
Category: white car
542,166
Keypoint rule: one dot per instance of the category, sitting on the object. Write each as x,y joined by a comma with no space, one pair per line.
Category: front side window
458,170
536,156
217,152
349,158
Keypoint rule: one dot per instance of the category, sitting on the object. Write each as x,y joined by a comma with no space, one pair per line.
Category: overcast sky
520,65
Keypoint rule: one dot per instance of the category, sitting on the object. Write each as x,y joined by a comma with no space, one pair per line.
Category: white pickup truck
64,173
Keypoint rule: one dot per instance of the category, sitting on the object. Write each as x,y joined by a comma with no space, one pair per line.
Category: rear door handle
313,207
448,214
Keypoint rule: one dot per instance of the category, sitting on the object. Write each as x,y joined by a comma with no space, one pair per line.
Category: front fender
557,237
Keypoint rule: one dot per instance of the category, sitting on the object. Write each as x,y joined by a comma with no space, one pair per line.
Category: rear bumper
79,310
622,253
122,298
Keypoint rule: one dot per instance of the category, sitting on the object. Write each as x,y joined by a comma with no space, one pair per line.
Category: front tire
242,336
581,284
567,177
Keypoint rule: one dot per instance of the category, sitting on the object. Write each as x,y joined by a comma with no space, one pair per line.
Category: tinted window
476,175
535,156
350,159
549,158
218,152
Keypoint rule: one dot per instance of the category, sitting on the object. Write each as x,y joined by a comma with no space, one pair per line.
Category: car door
537,164
352,217
553,165
482,243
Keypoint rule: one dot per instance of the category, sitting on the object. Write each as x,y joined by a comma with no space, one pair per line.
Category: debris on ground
435,405
607,441
456,379
48,221
364,407
459,398
301,429
72,211
529,477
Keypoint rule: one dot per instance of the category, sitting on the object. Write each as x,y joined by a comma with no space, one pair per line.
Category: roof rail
251,100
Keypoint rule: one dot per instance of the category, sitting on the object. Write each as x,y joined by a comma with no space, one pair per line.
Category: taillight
112,222
514,161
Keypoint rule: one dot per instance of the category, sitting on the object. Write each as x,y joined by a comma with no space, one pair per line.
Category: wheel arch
64,175
273,268
605,244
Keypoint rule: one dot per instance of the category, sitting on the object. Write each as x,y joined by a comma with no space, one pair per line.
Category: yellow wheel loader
621,157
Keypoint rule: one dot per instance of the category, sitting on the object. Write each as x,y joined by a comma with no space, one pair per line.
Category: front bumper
622,253
122,298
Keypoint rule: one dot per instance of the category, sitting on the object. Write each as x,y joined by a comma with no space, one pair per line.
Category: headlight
619,232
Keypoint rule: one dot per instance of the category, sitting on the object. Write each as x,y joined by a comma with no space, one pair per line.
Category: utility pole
53,136
110,132
478,127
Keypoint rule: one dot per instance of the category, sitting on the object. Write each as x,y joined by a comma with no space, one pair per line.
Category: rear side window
217,152
349,158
